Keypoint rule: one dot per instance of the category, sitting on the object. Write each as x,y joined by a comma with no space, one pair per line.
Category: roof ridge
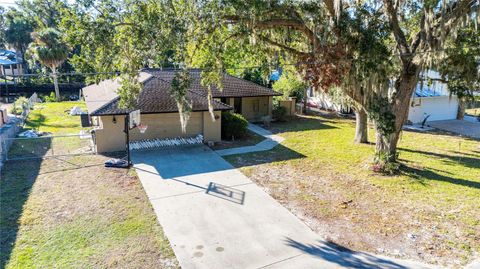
106,104
251,82
215,101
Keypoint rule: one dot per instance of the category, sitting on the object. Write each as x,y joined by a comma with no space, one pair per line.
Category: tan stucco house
159,110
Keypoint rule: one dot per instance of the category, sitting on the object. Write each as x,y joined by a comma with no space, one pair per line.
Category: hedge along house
253,101
159,110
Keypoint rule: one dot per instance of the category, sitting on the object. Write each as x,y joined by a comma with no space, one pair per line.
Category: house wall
212,130
438,107
110,136
254,108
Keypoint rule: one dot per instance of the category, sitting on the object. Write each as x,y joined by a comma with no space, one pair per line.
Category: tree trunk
361,130
305,101
386,144
461,109
55,84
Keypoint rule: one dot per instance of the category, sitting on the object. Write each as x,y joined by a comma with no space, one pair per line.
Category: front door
237,105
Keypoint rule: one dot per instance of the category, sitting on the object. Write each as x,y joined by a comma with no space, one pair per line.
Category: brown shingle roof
232,86
155,98
98,95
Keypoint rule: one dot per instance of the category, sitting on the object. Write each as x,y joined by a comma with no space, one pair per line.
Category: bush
50,98
19,105
279,113
233,125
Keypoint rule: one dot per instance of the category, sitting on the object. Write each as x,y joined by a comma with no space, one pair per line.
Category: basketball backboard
134,118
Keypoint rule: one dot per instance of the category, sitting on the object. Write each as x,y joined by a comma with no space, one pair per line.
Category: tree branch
280,22
446,21
391,10
282,46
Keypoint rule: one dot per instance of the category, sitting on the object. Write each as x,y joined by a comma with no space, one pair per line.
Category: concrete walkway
215,217
462,127
269,143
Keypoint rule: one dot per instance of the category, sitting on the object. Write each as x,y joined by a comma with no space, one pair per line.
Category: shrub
233,125
279,113
50,98
19,105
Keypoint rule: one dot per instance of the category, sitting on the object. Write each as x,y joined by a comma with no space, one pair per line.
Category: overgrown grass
74,213
54,117
321,173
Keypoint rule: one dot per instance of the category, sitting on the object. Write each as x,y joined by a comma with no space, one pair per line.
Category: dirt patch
250,139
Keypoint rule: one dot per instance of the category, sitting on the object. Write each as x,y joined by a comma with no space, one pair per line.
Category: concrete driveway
215,217
462,127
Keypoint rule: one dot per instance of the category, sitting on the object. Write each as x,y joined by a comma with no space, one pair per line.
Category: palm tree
48,48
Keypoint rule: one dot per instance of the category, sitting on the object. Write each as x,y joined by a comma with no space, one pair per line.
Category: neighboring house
321,100
159,110
9,63
433,101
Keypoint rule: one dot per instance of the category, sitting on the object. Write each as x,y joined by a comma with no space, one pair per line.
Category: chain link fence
47,146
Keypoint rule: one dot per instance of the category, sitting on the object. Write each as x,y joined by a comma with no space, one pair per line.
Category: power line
314,62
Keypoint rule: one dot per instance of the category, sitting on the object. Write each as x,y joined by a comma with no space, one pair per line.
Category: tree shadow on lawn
17,179
344,257
471,162
422,175
36,122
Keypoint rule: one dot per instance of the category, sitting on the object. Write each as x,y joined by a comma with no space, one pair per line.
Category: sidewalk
269,143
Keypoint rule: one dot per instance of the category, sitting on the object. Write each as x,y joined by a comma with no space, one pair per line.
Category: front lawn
71,211
54,118
74,213
429,212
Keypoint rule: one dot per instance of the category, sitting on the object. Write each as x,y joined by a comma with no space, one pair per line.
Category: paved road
462,127
215,217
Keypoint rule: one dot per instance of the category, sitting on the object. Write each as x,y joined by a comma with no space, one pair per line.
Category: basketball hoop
142,128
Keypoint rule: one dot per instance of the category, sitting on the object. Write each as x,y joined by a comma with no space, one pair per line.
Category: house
251,100
433,101
159,110
10,64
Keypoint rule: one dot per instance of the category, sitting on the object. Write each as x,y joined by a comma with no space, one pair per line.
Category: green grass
319,170
54,118
74,213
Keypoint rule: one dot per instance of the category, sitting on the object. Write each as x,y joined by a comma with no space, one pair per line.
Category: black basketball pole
127,138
